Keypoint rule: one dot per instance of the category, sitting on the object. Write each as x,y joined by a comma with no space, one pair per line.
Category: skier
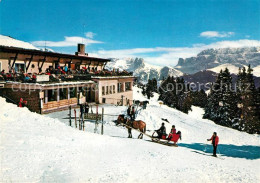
215,141
161,131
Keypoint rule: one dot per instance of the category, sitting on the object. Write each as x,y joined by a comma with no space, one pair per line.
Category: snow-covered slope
143,70
37,148
11,42
256,71
234,69
211,58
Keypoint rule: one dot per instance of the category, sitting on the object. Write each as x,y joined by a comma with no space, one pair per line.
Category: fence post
102,127
83,121
75,118
95,130
70,114
79,120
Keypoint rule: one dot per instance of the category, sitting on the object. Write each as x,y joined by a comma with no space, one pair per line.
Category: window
127,86
110,90
72,92
114,89
19,68
52,95
63,93
107,90
103,90
119,85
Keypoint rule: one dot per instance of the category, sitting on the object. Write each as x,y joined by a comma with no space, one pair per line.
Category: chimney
81,50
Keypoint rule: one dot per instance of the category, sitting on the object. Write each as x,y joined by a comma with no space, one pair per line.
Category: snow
232,69
43,148
141,68
256,71
11,42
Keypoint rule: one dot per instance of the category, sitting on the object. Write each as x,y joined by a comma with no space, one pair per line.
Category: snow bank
37,148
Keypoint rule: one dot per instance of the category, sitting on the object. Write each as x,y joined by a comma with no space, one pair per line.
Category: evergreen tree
199,98
175,93
222,105
149,88
248,102
228,102
211,108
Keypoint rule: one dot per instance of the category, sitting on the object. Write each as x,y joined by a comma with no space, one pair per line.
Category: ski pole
219,151
205,147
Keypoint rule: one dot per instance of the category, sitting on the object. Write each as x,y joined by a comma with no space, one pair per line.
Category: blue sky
161,31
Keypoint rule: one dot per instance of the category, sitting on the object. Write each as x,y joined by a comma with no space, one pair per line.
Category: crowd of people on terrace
60,74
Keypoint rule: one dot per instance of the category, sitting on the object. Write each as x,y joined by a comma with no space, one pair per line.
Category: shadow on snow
228,150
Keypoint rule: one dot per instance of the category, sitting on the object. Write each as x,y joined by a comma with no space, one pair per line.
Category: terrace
60,75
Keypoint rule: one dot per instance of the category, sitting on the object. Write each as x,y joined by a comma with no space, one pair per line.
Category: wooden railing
59,104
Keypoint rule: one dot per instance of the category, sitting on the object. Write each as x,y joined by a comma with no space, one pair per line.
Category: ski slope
234,69
43,148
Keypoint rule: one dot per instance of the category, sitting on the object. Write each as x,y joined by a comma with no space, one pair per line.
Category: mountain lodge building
51,81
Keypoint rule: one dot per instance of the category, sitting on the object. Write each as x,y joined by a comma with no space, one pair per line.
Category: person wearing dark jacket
215,141
81,110
161,131
86,108
129,110
132,113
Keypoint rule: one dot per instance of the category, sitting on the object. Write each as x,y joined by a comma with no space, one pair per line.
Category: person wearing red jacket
173,131
22,103
215,141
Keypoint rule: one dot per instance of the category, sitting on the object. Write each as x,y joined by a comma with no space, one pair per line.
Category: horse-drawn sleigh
140,126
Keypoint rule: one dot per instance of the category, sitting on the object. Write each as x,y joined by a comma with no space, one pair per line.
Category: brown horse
136,124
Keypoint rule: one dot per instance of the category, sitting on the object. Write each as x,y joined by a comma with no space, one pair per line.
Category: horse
136,124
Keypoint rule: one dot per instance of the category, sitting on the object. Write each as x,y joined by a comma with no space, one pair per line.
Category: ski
206,154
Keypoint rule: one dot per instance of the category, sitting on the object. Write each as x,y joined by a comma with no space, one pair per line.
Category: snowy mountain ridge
143,70
213,58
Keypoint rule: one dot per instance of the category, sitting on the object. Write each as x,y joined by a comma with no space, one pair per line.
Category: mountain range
232,58
201,68
142,70
204,67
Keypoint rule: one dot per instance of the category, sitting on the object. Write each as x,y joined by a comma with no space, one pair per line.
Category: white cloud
90,35
68,41
213,34
170,55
